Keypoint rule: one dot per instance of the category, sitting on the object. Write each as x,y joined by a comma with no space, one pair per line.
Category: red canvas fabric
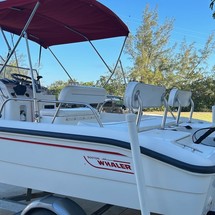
61,21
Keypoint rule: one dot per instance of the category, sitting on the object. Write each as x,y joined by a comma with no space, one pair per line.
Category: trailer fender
56,205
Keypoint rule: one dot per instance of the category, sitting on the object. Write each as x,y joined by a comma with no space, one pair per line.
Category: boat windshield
17,73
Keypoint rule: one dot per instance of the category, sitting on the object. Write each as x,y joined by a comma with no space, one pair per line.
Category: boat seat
181,99
82,94
141,96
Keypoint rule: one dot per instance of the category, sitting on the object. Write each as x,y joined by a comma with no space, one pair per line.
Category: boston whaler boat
157,164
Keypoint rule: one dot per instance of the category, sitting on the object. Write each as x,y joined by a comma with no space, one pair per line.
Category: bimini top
61,21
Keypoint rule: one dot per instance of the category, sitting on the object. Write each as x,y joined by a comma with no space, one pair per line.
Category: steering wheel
21,78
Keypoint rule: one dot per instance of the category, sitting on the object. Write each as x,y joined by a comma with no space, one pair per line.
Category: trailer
20,201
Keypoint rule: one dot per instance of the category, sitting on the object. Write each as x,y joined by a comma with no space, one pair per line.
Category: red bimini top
61,21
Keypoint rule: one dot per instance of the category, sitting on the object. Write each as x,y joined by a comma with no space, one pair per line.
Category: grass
206,116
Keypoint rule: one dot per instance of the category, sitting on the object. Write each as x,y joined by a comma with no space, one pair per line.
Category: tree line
158,61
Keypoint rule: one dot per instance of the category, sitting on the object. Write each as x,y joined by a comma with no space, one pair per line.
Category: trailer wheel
41,211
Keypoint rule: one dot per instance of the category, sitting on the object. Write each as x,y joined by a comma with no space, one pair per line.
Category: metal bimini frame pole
97,52
36,111
111,71
21,35
40,54
17,63
60,64
120,54
6,41
79,33
9,47
123,73
118,60
3,60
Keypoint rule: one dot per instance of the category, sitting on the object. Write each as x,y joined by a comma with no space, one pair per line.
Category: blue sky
193,21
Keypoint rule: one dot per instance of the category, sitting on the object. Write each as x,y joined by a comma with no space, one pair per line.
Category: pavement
8,205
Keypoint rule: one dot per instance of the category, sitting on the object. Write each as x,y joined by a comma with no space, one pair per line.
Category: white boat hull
99,172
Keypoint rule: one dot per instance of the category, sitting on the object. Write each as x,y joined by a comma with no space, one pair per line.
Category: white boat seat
179,99
150,95
79,95
83,94
140,96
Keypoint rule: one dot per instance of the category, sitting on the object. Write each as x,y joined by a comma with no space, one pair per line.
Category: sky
193,22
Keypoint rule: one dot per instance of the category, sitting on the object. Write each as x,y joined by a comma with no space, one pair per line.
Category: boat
67,146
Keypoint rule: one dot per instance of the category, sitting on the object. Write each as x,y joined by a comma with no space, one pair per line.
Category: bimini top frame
54,22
